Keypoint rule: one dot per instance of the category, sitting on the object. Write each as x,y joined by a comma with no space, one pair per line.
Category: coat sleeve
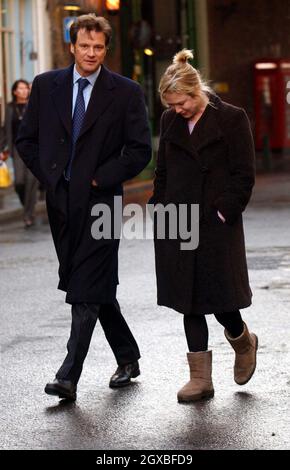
27,139
241,160
136,153
2,139
160,171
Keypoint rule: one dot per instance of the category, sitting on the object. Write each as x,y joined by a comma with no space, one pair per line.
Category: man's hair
91,22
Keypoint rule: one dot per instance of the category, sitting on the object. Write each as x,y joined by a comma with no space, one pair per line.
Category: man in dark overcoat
85,132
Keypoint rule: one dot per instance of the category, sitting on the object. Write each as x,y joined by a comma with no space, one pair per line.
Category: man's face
89,51
185,105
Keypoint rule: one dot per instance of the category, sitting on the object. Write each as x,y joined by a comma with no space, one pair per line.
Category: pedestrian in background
85,133
25,183
3,153
206,157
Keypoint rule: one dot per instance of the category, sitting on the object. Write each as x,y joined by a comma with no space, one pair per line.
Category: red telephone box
272,103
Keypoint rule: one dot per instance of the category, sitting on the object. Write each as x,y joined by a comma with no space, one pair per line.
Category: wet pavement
35,325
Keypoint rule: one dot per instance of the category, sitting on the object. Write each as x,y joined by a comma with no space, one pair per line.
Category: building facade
228,37
24,43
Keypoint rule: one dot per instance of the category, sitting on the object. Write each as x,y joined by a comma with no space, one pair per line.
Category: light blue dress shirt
88,90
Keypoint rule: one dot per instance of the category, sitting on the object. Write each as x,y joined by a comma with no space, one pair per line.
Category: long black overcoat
113,146
214,168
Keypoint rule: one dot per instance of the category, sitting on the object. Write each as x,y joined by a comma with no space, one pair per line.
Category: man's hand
94,183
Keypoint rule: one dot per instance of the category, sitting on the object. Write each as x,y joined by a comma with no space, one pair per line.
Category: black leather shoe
124,374
62,388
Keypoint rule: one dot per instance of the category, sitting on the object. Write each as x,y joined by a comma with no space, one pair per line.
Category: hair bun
183,56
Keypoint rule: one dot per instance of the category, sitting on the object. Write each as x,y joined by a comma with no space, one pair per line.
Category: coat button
53,166
205,169
61,141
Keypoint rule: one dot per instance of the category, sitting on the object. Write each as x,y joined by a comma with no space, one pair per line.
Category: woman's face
22,91
185,105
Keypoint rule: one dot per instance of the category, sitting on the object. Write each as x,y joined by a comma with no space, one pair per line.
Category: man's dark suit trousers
117,332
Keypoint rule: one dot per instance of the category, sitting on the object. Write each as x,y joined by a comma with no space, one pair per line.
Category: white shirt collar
92,78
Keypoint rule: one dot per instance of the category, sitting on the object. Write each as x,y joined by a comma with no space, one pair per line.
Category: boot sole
201,396
125,384
246,381
61,395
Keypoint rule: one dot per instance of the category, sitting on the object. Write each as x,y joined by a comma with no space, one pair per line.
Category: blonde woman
206,157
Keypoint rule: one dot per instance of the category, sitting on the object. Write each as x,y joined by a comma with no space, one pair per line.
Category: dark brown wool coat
213,167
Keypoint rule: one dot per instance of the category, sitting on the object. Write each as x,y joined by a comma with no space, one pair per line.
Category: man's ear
72,48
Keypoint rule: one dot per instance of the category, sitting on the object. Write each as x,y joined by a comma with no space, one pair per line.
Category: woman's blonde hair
181,77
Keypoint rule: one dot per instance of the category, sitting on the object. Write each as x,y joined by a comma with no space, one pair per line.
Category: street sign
67,22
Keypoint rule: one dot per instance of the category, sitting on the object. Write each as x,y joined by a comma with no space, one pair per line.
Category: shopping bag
5,177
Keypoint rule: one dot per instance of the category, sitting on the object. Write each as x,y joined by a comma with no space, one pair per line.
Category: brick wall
241,32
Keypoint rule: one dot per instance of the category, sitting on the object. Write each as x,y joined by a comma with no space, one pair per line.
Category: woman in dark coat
206,157
26,185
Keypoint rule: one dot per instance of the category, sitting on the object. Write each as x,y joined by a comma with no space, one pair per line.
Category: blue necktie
77,121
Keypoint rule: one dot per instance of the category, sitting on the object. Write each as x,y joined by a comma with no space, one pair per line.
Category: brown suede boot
200,384
245,347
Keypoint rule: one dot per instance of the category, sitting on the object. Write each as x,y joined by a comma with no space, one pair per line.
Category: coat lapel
177,133
62,96
206,131
101,97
